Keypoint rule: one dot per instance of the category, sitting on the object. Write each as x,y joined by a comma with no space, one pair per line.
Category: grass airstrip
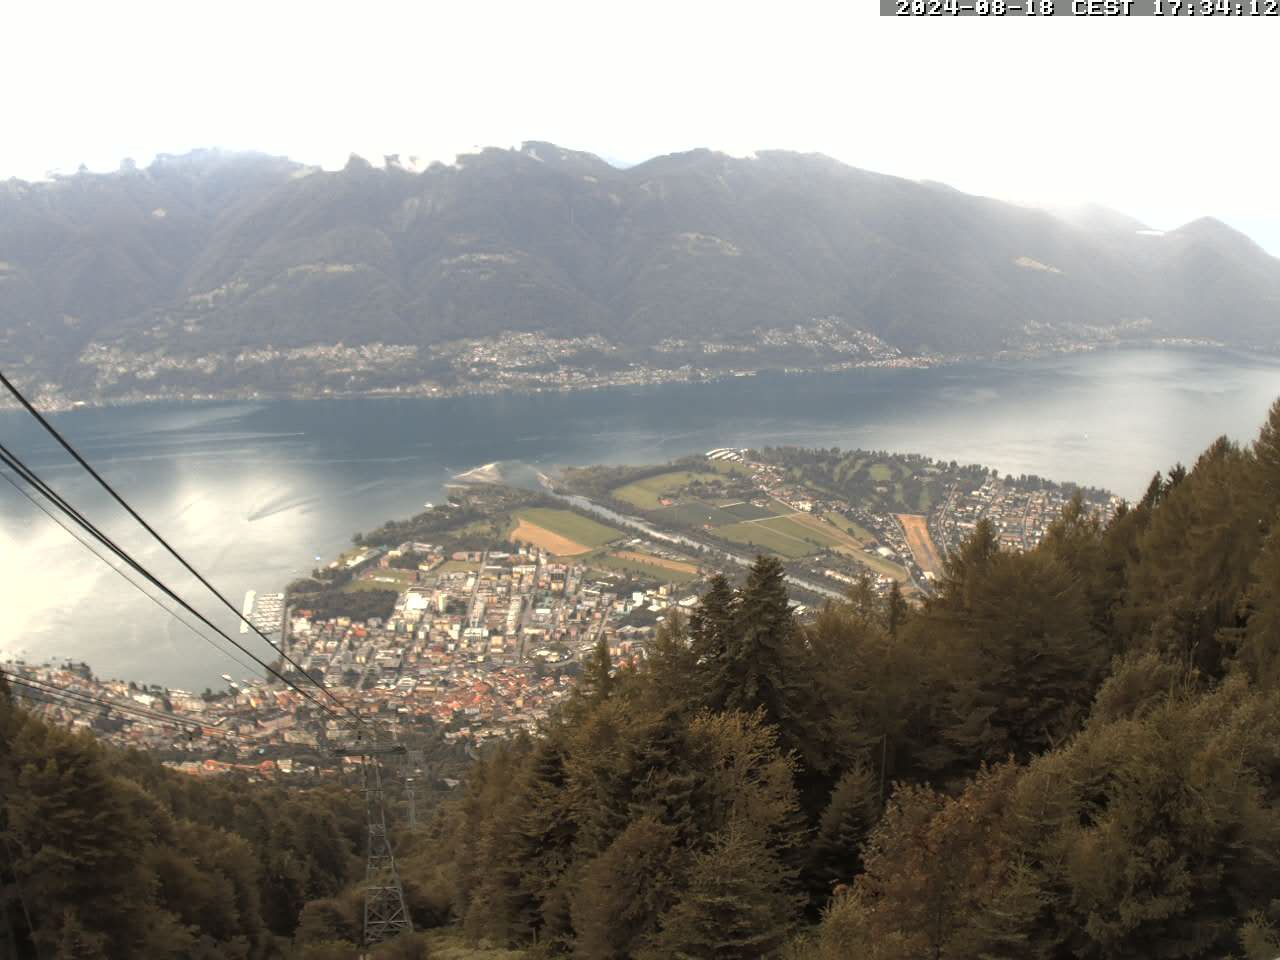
773,528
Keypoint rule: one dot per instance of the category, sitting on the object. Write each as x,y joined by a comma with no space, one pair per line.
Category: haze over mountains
200,260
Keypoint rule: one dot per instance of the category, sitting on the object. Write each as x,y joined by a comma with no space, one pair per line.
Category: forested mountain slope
215,255
1069,752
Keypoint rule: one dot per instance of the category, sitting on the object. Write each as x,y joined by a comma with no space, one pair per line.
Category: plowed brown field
922,546
526,532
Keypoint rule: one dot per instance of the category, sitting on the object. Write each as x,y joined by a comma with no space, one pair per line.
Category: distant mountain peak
1208,227
1096,217
1212,232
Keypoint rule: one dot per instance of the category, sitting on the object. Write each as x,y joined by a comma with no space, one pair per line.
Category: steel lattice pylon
385,912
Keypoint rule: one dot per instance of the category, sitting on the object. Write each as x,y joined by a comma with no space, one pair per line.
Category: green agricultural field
645,493
844,523
747,511
570,525
636,568
803,531
695,513
879,564
762,537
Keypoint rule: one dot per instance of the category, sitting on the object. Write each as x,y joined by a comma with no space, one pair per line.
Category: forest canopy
1067,752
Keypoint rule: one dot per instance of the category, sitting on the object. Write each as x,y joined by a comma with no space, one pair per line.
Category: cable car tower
385,912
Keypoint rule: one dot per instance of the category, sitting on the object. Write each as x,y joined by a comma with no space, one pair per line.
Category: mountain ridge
203,256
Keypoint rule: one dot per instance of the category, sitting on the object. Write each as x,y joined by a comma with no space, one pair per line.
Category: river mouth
252,492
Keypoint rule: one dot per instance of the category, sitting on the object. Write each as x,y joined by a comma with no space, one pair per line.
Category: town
479,644
524,362
470,621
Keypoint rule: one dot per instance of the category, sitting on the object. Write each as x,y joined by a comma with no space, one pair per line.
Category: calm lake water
252,492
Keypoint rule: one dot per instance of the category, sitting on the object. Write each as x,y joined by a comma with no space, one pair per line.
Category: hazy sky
1165,119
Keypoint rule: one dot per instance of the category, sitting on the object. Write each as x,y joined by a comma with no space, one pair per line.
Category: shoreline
55,404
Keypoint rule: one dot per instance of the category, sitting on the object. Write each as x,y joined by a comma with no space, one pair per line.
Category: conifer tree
546,833
966,565
754,674
933,866
1153,492
623,892
737,905
713,627
1266,454
597,673
1020,664
672,674
895,609
1192,567
836,851
1259,643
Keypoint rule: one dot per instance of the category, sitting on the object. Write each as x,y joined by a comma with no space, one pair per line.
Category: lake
252,492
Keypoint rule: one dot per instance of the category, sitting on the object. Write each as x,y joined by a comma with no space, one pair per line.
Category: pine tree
75,837
712,629
836,850
1153,492
546,833
1020,663
1259,652
738,904
672,674
597,673
1192,569
623,892
934,867
755,659
1266,460
966,565
895,609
